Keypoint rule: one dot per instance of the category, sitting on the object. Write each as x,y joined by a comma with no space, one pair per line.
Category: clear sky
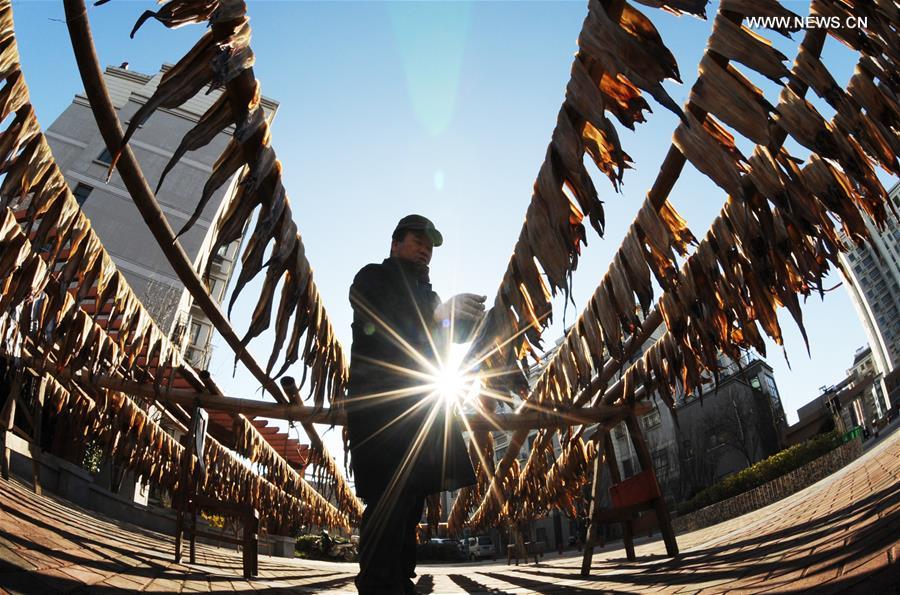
443,109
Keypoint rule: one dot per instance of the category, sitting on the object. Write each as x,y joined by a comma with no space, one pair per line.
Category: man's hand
467,307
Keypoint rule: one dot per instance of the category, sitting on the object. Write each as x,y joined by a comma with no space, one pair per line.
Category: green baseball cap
420,223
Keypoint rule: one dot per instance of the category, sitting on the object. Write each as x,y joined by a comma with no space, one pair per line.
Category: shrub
764,471
214,520
308,544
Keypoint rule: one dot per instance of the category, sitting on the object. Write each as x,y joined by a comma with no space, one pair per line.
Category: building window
81,192
661,462
196,333
717,439
215,288
194,356
501,452
651,419
218,263
688,450
224,250
104,157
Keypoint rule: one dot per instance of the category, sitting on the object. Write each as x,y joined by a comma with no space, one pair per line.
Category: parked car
439,548
481,547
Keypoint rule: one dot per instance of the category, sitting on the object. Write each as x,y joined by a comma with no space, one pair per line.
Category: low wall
778,488
74,484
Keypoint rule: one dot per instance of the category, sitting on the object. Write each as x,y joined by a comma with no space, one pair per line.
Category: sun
452,383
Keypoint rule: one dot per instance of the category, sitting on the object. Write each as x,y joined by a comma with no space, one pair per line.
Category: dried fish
228,163
710,150
177,85
728,95
785,21
638,55
740,44
216,119
177,14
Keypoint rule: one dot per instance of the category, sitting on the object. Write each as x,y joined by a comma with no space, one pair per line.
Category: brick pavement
839,535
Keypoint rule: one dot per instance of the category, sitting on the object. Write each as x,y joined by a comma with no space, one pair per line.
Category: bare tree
161,301
696,462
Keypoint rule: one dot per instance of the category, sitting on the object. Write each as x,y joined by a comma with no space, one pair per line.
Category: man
404,441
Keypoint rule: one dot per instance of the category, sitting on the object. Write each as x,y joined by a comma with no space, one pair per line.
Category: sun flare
453,383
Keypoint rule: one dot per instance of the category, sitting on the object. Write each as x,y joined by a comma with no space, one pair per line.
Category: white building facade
872,277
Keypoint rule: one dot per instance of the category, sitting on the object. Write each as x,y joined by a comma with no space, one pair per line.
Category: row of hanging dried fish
714,303
58,232
620,54
469,496
251,444
40,301
60,288
291,505
51,316
222,58
125,432
604,322
127,435
611,314
775,237
541,484
331,483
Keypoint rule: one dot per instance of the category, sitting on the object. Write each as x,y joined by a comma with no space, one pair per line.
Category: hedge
764,471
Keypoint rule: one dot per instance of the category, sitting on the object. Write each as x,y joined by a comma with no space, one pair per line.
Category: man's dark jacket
393,328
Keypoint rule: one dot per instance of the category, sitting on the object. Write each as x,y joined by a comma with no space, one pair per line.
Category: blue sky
444,109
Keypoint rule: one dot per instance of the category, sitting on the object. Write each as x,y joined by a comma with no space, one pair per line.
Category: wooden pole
596,487
8,419
616,477
659,503
522,421
36,438
183,499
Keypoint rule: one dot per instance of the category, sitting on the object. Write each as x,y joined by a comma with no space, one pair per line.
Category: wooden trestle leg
179,531
594,526
659,503
36,438
616,477
7,421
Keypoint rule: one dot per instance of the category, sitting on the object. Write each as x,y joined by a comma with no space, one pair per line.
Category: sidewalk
838,535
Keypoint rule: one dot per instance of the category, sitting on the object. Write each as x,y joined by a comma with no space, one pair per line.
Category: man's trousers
387,544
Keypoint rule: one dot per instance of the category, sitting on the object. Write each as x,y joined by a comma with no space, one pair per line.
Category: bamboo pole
530,419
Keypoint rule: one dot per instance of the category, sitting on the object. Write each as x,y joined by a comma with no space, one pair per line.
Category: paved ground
840,535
